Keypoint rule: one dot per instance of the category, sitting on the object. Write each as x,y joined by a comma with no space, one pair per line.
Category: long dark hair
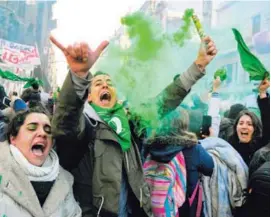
257,125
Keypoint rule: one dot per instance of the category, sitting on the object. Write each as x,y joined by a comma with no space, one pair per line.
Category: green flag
13,77
249,61
33,81
222,73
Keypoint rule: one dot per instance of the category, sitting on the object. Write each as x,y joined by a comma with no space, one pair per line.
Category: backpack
167,183
197,191
258,199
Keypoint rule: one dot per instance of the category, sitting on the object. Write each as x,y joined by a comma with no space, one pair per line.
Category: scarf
116,119
47,172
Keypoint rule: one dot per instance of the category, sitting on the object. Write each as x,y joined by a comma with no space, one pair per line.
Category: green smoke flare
184,32
145,67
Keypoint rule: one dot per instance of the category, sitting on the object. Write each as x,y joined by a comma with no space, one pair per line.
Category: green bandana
249,61
116,118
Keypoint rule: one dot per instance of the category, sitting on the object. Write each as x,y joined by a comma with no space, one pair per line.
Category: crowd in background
67,156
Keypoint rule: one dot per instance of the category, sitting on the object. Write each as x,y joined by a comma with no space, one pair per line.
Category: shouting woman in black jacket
249,134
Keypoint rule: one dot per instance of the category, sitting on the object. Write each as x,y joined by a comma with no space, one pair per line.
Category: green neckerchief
116,118
249,61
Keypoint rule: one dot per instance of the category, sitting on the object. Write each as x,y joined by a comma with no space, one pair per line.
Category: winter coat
18,198
259,158
224,190
197,160
98,163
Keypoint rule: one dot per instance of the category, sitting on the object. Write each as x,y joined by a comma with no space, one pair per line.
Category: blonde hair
176,123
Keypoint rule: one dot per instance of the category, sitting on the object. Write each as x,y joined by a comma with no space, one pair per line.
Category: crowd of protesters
83,156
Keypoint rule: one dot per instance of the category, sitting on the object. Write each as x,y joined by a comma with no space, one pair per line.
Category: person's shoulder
194,149
262,152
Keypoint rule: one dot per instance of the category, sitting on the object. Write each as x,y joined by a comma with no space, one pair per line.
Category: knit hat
19,105
235,110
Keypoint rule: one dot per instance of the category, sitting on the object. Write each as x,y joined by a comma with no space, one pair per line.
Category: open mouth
38,149
105,97
244,134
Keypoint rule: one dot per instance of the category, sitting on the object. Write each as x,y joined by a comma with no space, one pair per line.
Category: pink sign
23,56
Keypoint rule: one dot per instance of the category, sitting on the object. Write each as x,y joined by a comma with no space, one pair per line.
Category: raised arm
214,106
69,124
174,94
68,119
264,106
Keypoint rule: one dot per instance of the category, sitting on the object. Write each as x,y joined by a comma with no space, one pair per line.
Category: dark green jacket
89,149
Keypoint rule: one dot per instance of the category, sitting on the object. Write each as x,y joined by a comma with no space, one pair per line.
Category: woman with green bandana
97,141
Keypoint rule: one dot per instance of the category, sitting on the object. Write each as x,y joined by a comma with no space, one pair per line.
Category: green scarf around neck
116,118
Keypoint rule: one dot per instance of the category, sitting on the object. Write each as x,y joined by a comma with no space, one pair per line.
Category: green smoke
184,31
146,36
143,69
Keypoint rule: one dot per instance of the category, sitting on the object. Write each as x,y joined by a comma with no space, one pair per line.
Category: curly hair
16,123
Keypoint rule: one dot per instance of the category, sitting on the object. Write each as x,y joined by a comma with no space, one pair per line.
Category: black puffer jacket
259,158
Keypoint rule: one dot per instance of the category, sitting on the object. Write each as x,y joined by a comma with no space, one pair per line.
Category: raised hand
216,84
264,85
79,56
206,52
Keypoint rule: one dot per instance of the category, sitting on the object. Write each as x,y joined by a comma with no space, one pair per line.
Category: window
256,24
229,69
232,73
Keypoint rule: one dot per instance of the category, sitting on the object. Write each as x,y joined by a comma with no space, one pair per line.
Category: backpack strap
199,206
192,198
199,189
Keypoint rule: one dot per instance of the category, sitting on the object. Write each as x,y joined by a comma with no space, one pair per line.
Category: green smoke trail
141,29
184,31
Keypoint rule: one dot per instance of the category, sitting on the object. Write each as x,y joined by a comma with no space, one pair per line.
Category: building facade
29,23
252,19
